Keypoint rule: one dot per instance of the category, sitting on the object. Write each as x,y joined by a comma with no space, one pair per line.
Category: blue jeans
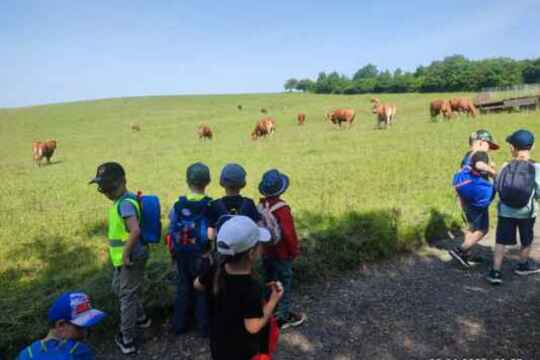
280,270
187,298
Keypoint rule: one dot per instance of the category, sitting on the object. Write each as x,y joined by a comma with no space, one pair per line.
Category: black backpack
516,183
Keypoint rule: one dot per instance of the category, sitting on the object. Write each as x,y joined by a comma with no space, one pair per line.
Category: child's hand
277,290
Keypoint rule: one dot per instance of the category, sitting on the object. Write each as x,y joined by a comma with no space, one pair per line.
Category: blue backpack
189,231
149,218
56,350
472,188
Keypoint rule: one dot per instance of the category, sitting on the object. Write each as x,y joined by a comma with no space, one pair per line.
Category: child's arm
254,325
482,166
288,231
134,230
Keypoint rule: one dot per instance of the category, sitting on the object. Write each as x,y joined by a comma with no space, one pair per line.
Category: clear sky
63,50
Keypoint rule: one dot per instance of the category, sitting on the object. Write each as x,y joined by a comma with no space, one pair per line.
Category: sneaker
127,347
526,269
494,277
293,320
476,259
458,255
144,323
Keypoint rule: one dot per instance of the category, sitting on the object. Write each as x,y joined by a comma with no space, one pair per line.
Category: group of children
518,185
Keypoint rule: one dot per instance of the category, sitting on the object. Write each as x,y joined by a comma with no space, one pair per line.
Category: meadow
358,194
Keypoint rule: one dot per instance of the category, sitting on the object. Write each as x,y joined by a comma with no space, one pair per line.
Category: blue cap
273,183
233,175
521,139
75,307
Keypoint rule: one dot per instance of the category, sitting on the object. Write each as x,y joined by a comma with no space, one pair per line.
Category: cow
301,118
339,116
204,132
441,107
42,150
264,127
239,107
135,127
463,105
264,110
385,113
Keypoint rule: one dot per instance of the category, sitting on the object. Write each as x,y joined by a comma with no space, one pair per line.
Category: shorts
507,229
477,218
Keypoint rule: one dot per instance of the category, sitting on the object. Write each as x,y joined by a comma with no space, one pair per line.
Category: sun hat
522,139
484,135
233,175
239,234
108,173
75,308
273,183
198,174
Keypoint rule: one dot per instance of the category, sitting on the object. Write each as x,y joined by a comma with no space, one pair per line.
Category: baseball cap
239,234
273,183
233,175
522,139
484,135
198,174
107,173
75,308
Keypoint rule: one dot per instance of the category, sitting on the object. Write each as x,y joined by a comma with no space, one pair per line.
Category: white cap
239,234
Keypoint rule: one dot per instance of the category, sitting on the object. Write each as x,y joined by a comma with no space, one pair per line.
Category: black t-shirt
478,156
234,205
240,298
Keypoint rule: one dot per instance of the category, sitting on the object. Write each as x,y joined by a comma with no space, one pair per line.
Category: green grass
357,194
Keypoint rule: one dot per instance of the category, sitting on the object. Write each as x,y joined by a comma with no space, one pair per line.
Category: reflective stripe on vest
118,233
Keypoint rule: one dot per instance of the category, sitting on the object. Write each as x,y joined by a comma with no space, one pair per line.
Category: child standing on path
278,258
188,231
128,254
477,217
518,185
69,318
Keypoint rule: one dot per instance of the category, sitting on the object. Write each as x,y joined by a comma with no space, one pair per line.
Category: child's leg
130,281
200,297
284,274
526,235
182,302
498,257
478,227
505,235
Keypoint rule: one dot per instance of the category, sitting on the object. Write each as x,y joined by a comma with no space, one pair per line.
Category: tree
369,71
531,72
291,84
305,85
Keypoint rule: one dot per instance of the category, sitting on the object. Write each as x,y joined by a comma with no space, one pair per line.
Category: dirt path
415,307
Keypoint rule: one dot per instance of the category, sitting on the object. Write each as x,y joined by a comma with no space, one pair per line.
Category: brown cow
464,105
385,113
264,127
204,132
339,116
264,111
301,118
441,107
135,127
239,107
42,150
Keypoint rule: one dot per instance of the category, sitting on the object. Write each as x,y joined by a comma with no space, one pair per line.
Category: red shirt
288,247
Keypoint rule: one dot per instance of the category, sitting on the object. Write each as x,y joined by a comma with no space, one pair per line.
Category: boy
477,218
517,206
233,180
128,254
188,232
278,258
239,319
69,318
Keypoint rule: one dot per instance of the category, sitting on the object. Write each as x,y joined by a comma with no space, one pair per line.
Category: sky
64,50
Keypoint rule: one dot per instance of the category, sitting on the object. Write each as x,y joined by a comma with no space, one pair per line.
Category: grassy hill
357,194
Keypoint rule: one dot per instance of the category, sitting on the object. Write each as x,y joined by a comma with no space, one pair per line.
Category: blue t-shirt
56,349
233,205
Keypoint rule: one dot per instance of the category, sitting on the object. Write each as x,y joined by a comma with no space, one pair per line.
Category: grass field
357,194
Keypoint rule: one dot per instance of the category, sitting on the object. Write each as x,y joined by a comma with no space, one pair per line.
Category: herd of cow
385,113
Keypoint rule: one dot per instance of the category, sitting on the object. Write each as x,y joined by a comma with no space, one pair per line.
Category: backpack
473,188
189,233
149,217
516,183
50,350
226,214
269,220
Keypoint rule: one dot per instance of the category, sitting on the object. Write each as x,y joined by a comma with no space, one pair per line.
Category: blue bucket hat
233,175
273,183
521,139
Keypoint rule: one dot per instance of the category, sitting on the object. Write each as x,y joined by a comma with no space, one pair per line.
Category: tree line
453,73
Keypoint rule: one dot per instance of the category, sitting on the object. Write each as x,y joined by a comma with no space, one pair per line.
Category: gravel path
420,306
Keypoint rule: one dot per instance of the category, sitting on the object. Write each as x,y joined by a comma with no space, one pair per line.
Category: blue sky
63,50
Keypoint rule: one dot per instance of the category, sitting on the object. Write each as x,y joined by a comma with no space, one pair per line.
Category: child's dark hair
218,283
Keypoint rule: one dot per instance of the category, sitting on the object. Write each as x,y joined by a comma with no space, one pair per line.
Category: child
69,318
238,319
128,254
233,180
188,232
477,218
278,258
517,206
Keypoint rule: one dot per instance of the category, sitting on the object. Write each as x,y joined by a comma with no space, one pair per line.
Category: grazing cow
301,118
42,150
264,127
239,107
467,106
135,127
264,111
204,132
441,107
385,113
339,116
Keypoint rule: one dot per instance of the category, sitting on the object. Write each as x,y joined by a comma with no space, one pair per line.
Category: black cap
108,173
521,139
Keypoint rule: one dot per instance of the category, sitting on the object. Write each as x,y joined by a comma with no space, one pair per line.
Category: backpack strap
133,201
178,205
277,206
